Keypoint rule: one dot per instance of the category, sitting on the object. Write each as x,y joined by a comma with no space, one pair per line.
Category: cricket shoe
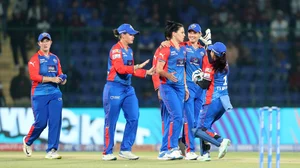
128,155
191,156
223,148
53,155
204,158
26,149
109,157
163,156
174,154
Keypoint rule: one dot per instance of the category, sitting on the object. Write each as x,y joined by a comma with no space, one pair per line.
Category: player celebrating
216,102
46,97
170,68
118,93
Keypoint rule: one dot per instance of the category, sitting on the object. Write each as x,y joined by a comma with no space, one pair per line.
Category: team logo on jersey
195,61
51,68
54,60
59,99
180,62
129,62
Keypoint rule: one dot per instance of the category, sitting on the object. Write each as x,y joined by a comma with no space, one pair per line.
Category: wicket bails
270,110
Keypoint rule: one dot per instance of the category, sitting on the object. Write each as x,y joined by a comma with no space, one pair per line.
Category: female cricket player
46,98
216,102
192,107
170,67
118,93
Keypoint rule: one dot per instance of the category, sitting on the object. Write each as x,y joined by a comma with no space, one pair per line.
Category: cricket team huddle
189,77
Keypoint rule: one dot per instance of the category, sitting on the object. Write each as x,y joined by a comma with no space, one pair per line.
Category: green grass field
147,160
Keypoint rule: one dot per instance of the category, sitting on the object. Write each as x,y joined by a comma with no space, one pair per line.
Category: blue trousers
173,98
165,124
211,113
192,109
46,109
115,97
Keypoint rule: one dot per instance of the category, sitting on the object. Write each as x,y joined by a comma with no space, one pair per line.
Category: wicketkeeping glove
63,77
197,76
207,38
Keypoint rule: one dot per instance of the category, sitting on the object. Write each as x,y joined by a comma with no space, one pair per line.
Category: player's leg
40,112
131,113
112,99
54,122
189,122
173,99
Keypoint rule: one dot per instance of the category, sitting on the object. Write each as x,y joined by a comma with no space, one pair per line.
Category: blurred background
262,37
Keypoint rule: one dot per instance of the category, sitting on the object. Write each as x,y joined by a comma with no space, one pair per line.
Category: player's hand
165,44
140,66
56,80
63,77
171,77
197,75
150,71
187,93
207,38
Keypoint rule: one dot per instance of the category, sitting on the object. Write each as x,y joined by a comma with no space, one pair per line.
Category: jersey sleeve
155,76
117,62
207,68
34,69
59,72
163,54
141,73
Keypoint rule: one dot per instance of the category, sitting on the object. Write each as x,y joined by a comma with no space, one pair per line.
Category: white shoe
174,154
26,149
128,155
204,158
223,148
163,156
53,155
109,157
191,156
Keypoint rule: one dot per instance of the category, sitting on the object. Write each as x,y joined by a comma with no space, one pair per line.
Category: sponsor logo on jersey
51,68
115,56
189,50
180,62
59,99
54,60
195,61
114,97
32,63
173,53
116,51
202,53
208,69
42,60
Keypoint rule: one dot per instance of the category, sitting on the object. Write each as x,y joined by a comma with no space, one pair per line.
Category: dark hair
220,63
171,27
116,33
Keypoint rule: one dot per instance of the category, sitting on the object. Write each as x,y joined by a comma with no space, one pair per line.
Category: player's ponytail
220,63
116,33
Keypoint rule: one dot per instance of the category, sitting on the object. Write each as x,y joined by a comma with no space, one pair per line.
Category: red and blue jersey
219,82
193,59
174,63
39,66
155,76
121,65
